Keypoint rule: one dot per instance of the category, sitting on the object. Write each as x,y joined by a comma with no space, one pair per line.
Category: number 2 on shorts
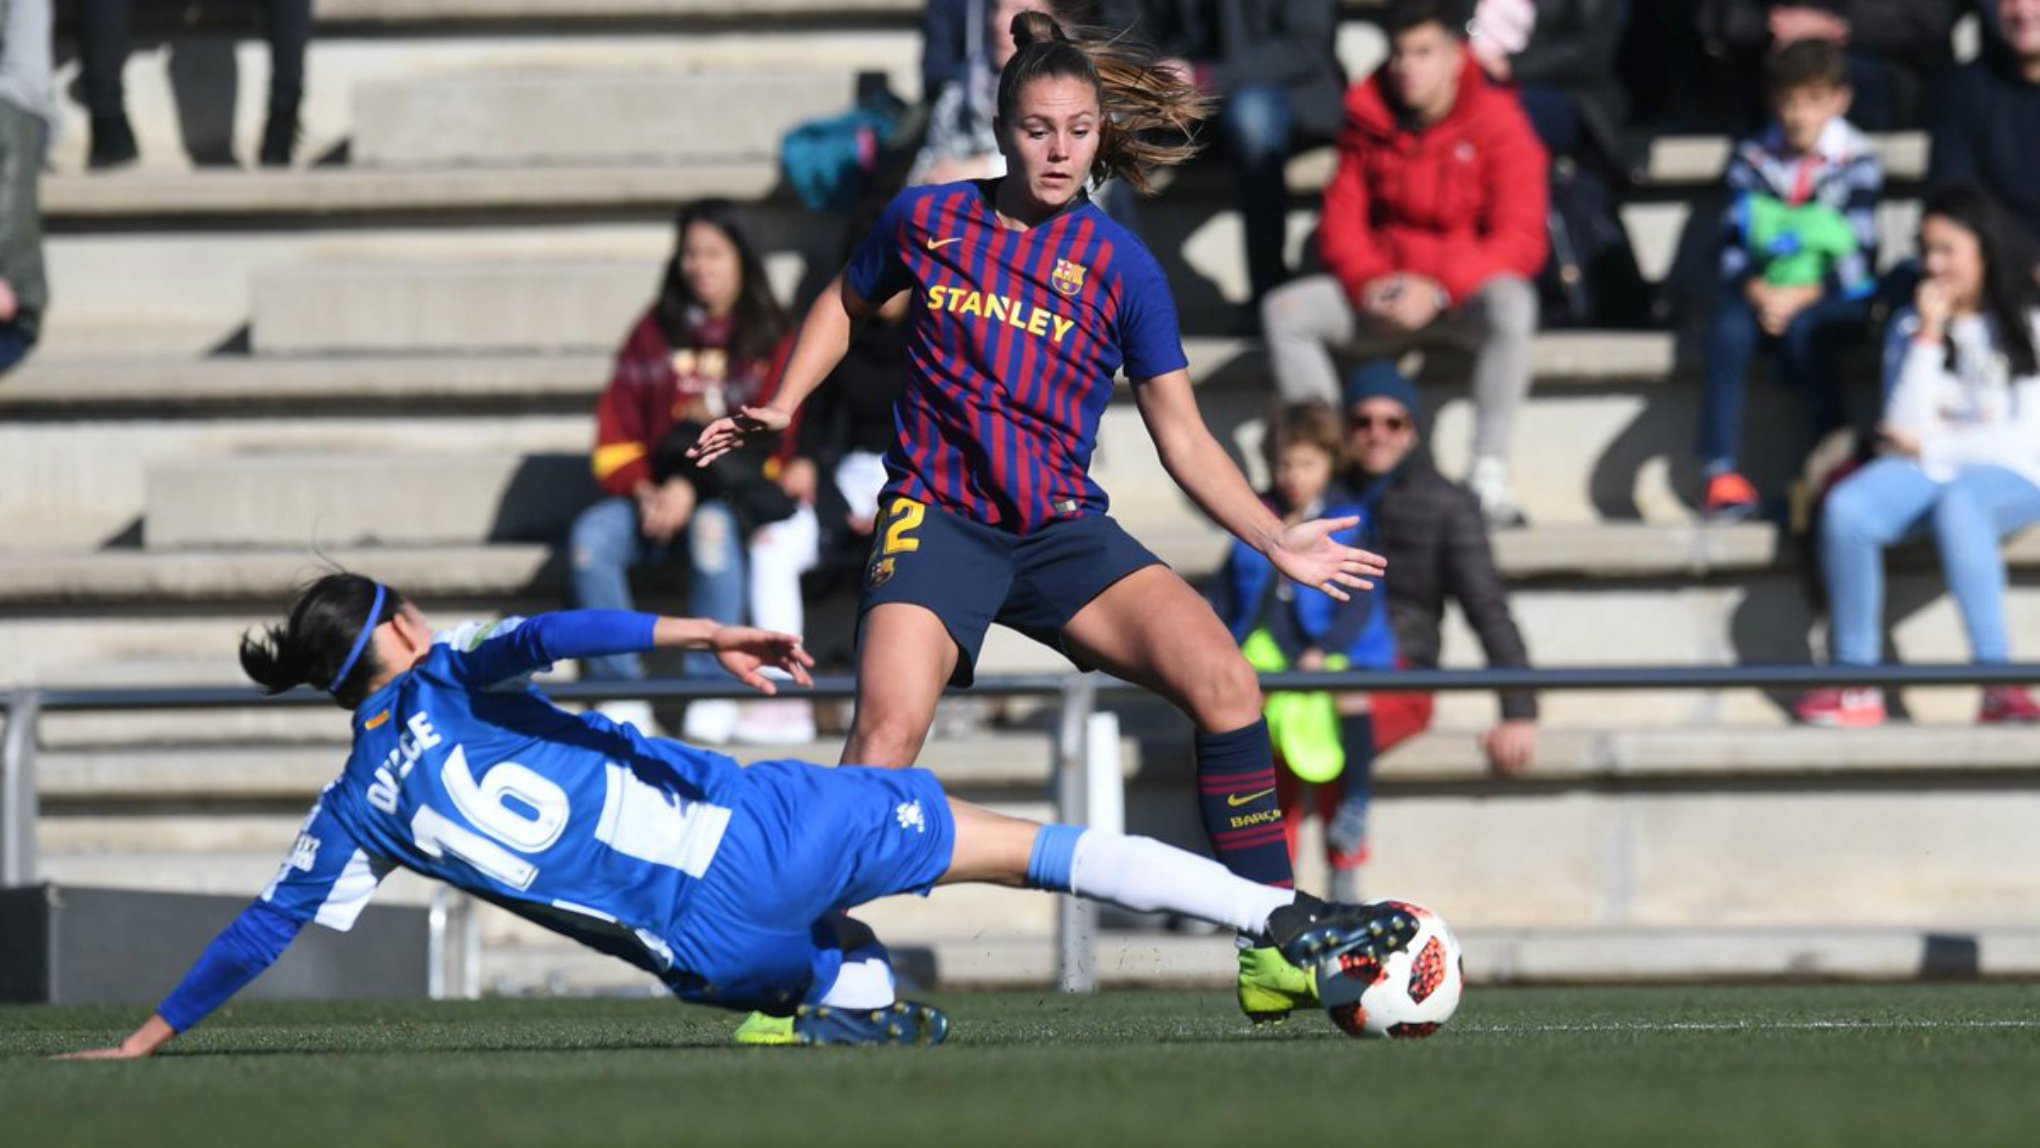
906,514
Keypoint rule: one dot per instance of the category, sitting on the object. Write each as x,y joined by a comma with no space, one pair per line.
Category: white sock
1146,876
862,984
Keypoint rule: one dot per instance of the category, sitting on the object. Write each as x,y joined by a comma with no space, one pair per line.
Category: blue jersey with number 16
462,772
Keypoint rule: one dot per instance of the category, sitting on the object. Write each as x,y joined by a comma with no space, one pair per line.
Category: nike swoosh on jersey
935,244
1238,799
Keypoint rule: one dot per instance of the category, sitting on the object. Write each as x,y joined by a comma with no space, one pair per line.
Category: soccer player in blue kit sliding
728,883
1027,302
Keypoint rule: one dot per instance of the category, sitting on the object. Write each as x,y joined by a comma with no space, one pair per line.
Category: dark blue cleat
902,1022
1311,933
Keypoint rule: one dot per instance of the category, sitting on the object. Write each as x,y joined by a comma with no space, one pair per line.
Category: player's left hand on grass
1307,553
744,651
116,1053
152,1035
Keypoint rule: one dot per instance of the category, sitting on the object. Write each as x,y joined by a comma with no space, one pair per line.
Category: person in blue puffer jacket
1324,740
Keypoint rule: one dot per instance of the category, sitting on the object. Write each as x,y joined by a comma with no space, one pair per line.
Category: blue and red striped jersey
1014,341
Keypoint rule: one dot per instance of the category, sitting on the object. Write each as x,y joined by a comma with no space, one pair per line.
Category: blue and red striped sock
1236,790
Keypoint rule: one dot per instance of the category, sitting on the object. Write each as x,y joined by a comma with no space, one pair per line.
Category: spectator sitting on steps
713,341
1960,455
1431,534
1434,227
1798,262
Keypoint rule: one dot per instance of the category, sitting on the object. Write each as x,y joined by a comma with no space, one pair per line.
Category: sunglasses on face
1389,423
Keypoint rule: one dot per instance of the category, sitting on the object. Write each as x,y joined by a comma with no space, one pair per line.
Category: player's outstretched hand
744,651
732,431
1308,554
152,1035
116,1053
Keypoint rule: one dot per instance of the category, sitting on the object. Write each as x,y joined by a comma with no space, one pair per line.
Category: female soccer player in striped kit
1027,302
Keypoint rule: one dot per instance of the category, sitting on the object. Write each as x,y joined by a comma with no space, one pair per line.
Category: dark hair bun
1033,27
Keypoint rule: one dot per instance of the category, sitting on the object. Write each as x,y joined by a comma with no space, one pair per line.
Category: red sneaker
1730,498
1851,707
2008,705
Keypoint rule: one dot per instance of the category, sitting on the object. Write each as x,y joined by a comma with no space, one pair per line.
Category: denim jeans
1257,124
605,544
1805,358
1892,500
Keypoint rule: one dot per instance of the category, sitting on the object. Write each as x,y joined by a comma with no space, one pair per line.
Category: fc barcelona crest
1068,277
881,572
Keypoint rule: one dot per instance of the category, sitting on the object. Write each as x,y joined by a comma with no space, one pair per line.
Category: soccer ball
1406,997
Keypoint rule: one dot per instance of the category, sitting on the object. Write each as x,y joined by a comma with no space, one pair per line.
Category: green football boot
1271,988
760,1030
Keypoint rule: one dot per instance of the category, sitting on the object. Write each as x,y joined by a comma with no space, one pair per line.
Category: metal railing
1086,779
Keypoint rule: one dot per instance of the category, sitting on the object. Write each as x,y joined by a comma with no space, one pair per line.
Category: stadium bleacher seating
392,354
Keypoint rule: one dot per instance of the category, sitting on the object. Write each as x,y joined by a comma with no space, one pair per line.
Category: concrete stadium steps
346,299
396,308
1614,594
172,265
73,393
73,487
77,389
366,500
197,96
197,100
276,197
1676,165
1600,439
523,118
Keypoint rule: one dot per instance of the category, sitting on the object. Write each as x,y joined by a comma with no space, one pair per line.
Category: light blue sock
1055,852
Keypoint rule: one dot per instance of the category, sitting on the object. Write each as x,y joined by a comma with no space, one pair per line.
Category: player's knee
1511,305
1225,695
890,740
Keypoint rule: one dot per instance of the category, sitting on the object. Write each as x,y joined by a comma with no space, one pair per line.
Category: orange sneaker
1730,498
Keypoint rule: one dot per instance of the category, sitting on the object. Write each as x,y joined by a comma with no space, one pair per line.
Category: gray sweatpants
1309,319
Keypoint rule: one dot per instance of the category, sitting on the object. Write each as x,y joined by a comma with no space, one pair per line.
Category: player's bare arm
1305,552
825,337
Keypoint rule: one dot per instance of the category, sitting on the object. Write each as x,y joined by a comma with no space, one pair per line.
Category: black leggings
103,42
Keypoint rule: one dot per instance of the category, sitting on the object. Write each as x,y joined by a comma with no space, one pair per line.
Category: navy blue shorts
971,575
805,843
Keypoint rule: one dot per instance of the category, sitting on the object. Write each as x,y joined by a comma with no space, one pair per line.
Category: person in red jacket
1433,231
712,342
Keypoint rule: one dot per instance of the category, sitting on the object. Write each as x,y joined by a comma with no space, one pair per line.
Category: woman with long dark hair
712,342
1960,453
1027,301
729,884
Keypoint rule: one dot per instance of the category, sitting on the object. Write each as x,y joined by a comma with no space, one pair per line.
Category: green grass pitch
1842,1065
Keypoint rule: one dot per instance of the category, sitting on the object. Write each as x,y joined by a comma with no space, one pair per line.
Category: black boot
113,143
279,136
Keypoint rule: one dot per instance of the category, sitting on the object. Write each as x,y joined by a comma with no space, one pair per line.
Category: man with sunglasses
1431,532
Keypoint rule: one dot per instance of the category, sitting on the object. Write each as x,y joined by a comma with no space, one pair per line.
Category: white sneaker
637,713
710,721
777,721
1489,481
